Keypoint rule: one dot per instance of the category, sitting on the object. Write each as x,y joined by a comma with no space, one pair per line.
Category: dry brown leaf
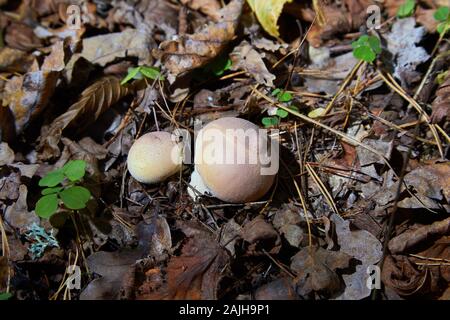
411,238
425,272
28,95
441,104
93,102
342,18
209,7
196,273
315,268
195,50
245,57
260,234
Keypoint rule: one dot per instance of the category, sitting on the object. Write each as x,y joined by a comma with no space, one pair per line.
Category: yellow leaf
268,12
316,113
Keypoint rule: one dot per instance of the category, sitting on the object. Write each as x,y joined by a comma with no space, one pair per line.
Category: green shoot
61,186
140,72
366,48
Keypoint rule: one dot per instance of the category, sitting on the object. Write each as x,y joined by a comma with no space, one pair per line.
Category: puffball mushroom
154,157
228,159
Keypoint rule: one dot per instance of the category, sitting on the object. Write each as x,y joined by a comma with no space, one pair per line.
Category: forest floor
358,90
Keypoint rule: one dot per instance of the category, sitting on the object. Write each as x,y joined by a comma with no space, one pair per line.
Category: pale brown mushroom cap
152,158
231,182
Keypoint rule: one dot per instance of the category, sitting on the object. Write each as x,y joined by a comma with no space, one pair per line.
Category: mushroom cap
218,148
154,157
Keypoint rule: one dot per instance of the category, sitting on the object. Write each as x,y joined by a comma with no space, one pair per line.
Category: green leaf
47,191
276,92
270,121
52,178
406,9
75,169
374,44
132,73
442,27
284,97
282,113
316,113
442,14
364,53
151,73
46,206
267,12
75,197
5,296
366,48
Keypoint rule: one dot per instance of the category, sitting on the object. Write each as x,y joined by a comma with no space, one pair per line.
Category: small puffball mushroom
154,157
228,154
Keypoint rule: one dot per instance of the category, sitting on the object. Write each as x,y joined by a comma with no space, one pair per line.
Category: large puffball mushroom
154,157
228,157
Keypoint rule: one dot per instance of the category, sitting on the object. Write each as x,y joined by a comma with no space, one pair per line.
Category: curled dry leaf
28,95
245,57
411,238
195,50
93,102
441,105
425,272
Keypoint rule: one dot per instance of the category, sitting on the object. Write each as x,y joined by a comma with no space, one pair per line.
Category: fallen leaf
268,13
191,51
260,234
362,245
104,49
28,95
117,268
411,238
18,215
196,273
315,268
246,58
